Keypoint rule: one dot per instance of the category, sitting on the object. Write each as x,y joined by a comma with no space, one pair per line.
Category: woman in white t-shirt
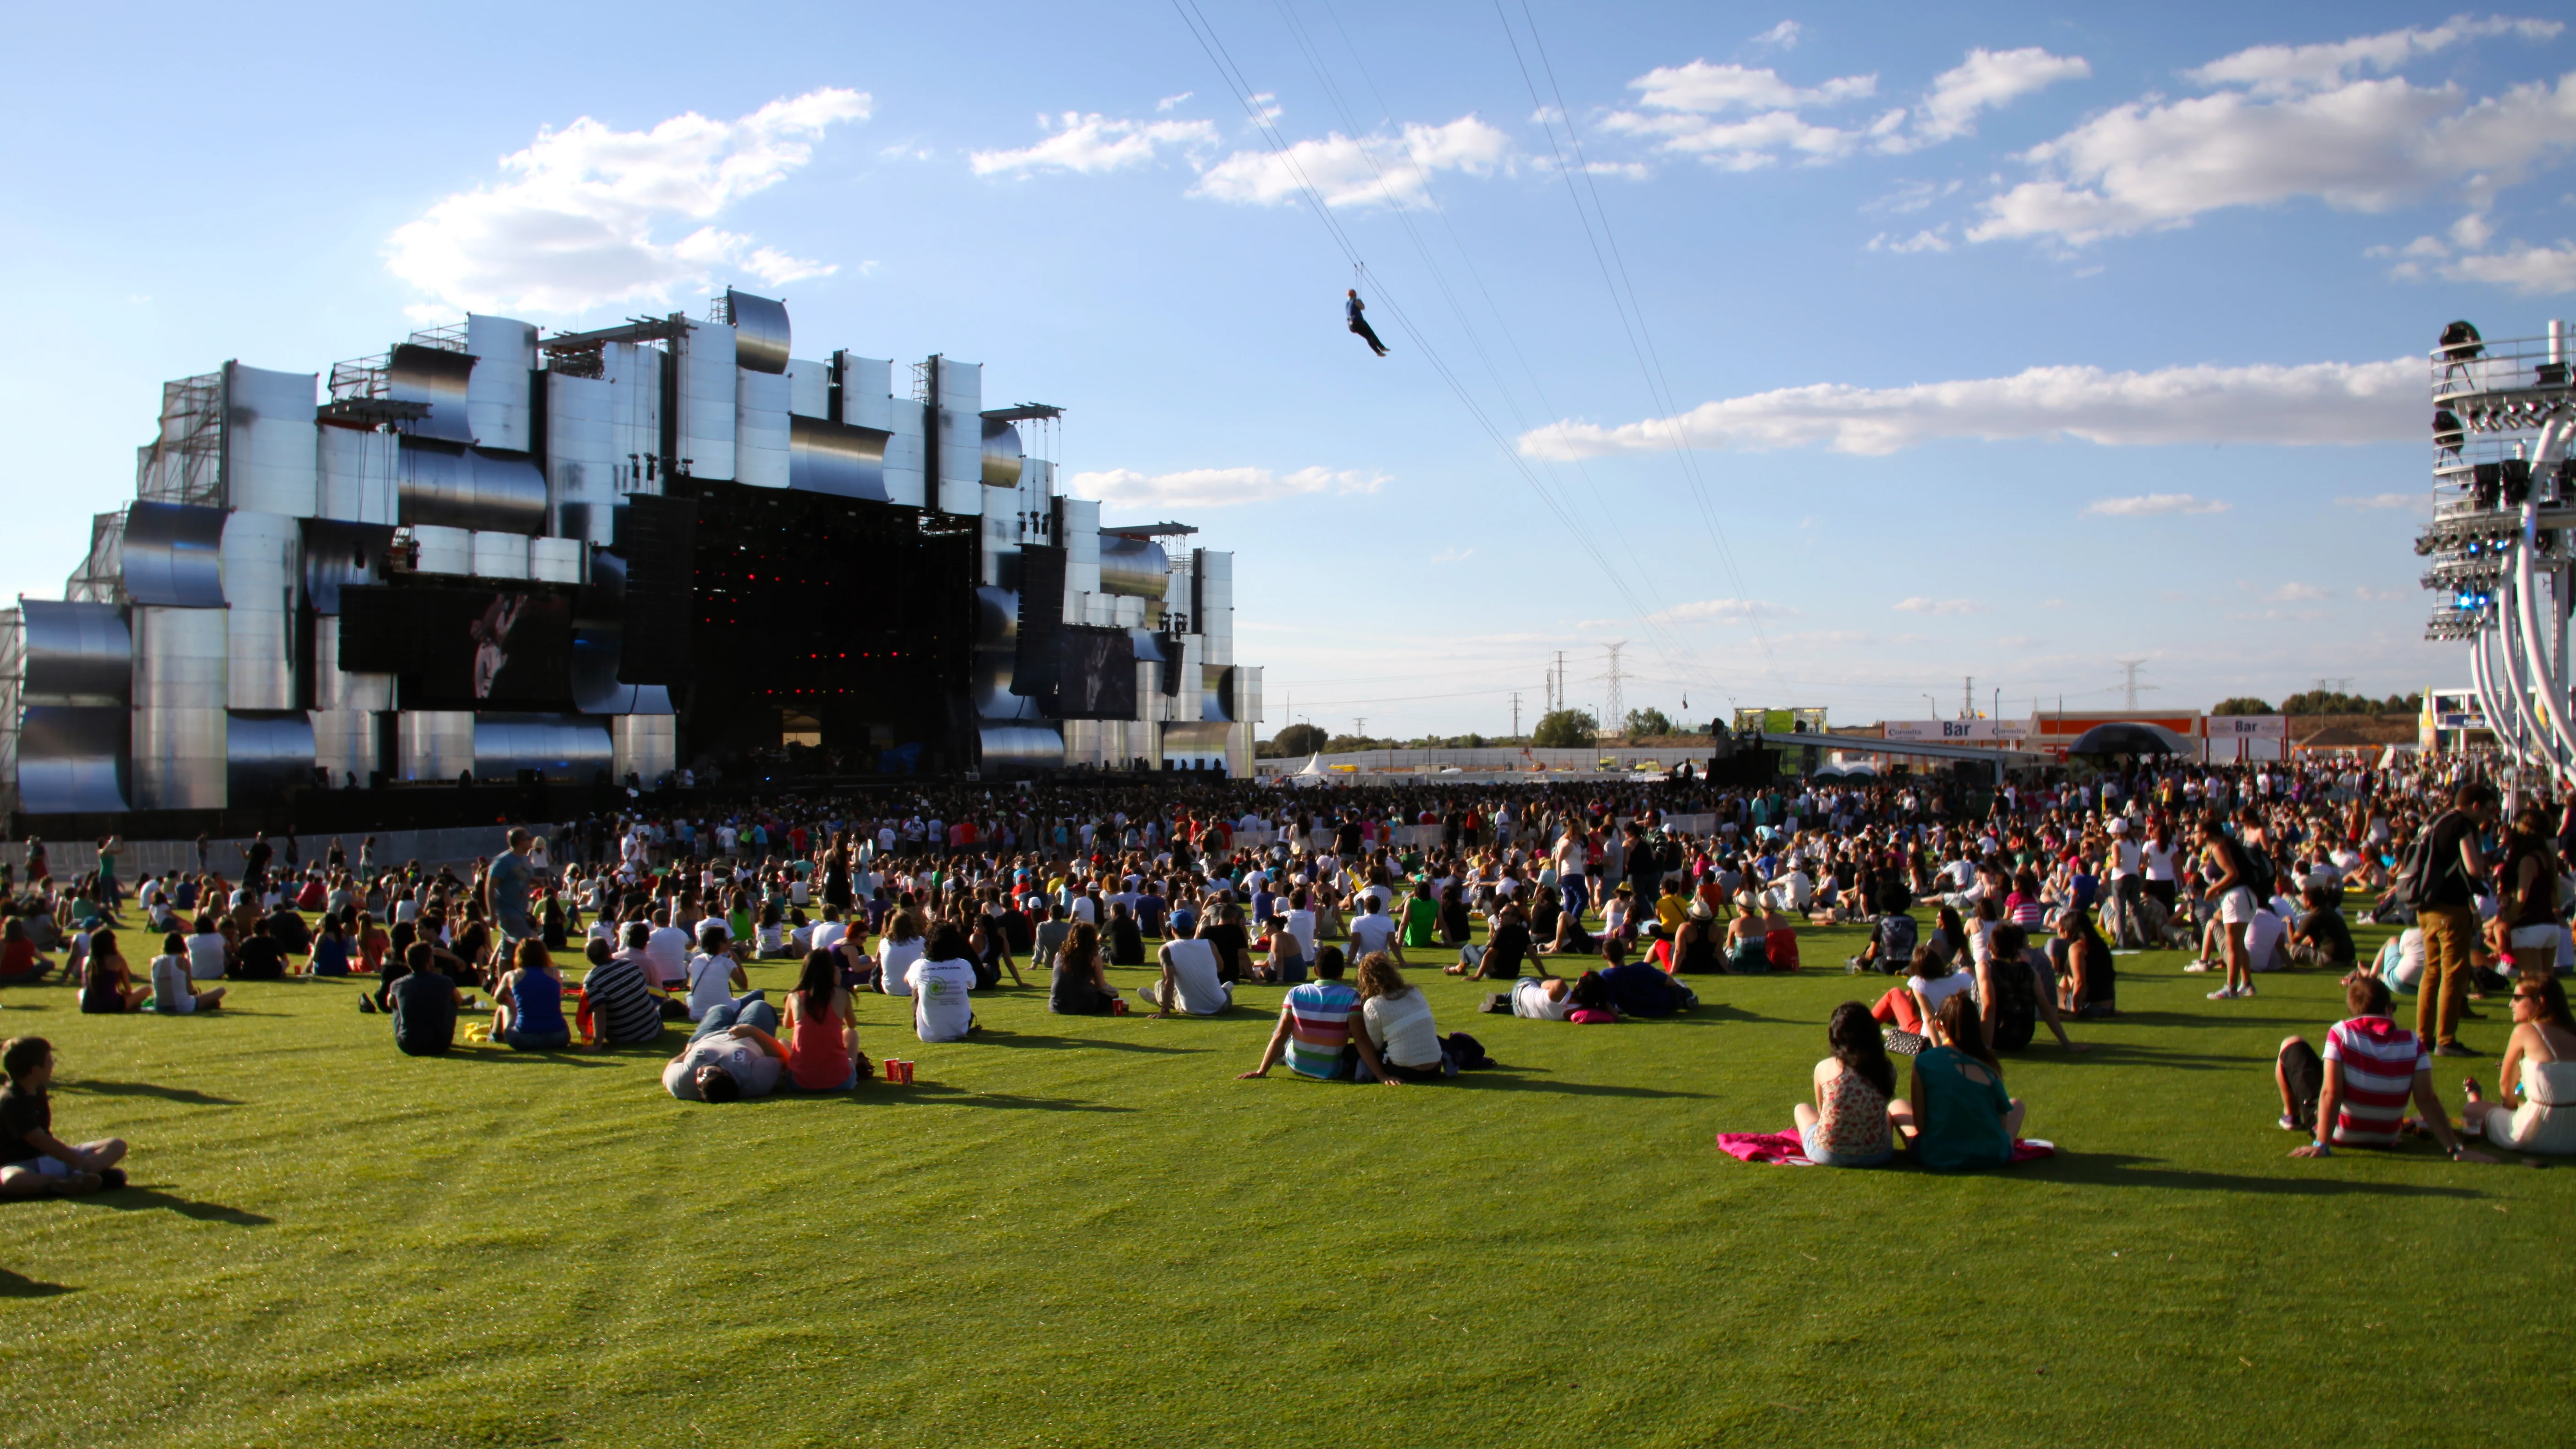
206,951
1398,1018
714,974
938,982
902,946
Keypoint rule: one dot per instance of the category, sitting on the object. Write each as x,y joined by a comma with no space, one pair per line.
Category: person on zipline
1357,311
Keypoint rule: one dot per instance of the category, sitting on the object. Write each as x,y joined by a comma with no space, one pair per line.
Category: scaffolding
100,579
185,464
362,377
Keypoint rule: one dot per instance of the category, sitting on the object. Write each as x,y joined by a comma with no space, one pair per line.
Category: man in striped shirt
2372,1069
1320,1030
621,1008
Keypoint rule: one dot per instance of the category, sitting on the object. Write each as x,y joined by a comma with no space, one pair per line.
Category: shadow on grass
149,1199
2177,1018
1715,1013
2116,1169
559,1056
1042,1042
2127,1054
1503,1079
14,1286
921,1094
188,1095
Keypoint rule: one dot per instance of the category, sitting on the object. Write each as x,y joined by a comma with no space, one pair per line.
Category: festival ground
1083,1230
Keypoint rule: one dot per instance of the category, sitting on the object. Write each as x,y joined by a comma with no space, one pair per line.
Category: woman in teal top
1958,1115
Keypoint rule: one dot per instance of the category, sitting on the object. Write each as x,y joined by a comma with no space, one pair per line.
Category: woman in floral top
1847,1126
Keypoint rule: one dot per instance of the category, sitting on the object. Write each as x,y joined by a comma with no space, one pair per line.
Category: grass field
1084,1231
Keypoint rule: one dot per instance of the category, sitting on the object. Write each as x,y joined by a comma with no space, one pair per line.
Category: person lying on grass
1957,1114
1322,1031
33,1161
2539,1064
1848,1126
2371,1070
733,1056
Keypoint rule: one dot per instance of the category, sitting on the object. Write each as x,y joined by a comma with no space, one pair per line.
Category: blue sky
1825,472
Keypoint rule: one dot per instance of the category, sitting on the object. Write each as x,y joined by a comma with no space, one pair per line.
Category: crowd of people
1997,912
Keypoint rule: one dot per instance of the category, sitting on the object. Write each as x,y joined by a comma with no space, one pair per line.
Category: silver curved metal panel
434,744
702,433
760,431
646,746
337,555
1019,749
270,452
997,618
266,753
564,749
1002,454
1135,567
439,550
599,646
438,377
500,555
556,560
467,488
180,659
172,555
179,758
76,654
836,458
71,760
582,463
357,475
496,395
261,571
1216,693
346,742
762,337
337,689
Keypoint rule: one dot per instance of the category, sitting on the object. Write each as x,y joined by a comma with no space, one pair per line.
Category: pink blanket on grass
1782,1149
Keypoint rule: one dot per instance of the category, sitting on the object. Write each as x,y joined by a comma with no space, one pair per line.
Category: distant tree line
2322,701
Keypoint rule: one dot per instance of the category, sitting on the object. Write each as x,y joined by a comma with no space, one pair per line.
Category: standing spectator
2443,907
505,887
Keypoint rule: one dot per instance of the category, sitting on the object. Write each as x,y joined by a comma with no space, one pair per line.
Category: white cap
2119,827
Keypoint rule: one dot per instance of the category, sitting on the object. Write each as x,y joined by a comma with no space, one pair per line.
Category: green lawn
1084,1231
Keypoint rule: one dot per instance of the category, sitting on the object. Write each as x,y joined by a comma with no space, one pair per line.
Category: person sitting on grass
1322,1031
2371,1069
1399,1027
1848,1125
715,973
20,962
2322,938
823,1029
107,983
1079,984
1779,941
527,1006
1286,965
2014,994
1908,1009
174,988
33,1161
733,1056
333,948
1190,985
1748,937
1957,1114
901,946
423,1002
1641,988
938,983
1892,937
260,957
2539,1064
616,1004
2088,987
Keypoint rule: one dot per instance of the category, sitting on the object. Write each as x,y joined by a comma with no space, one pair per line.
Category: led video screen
1097,678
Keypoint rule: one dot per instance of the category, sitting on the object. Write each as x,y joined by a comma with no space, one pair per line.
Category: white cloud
2148,505
1168,102
1707,611
2529,270
2381,596
1217,487
1452,555
1938,606
2386,500
2283,69
578,219
1930,240
1715,89
2302,126
1359,171
1092,144
1910,196
2323,402
1783,36
2298,594
1989,80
